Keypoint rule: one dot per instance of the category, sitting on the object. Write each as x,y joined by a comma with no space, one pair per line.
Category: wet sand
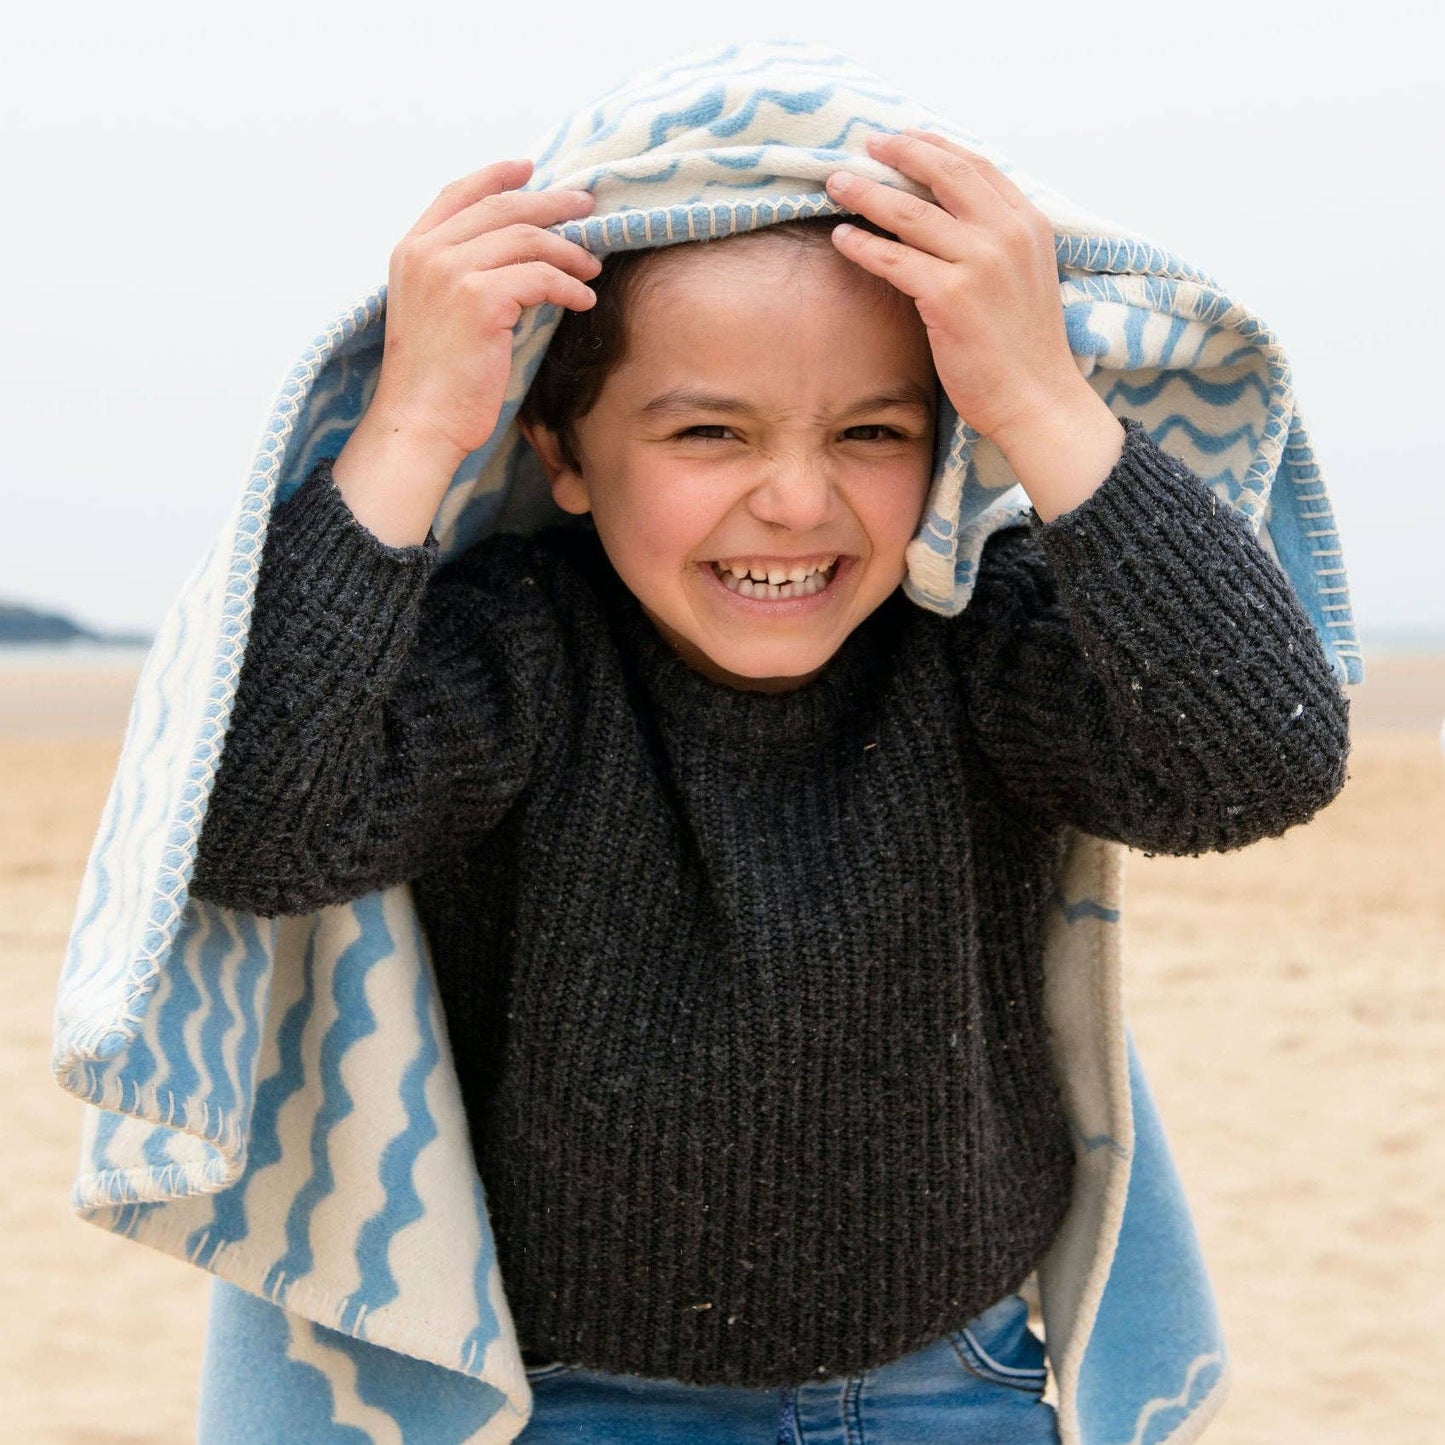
1288,1002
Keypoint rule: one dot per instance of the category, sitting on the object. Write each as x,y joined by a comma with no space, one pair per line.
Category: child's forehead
773,359
754,266
769,321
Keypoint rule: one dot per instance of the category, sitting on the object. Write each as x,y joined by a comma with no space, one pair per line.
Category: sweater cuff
1154,535
1181,612
317,508
328,579
1145,488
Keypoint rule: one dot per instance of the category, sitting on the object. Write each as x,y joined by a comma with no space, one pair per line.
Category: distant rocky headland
19,623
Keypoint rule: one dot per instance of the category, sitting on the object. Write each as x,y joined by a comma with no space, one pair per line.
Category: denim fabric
982,1385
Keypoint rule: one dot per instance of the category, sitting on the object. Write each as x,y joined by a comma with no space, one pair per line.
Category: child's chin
776,673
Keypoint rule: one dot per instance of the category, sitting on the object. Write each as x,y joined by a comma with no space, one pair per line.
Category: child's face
776,406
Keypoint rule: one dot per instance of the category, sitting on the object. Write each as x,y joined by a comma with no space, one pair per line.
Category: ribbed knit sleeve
1140,668
387,712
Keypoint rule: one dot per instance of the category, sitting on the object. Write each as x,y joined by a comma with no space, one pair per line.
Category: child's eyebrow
684,398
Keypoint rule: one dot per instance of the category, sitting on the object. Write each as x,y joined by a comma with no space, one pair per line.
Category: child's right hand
458,282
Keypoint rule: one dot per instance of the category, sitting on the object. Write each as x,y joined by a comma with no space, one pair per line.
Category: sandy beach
1287,1000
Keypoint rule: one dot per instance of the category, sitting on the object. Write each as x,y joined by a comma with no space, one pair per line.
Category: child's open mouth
775,583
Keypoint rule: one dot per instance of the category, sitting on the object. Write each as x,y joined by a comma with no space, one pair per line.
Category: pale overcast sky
194,191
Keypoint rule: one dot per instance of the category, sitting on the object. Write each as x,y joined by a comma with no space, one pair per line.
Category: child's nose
797,492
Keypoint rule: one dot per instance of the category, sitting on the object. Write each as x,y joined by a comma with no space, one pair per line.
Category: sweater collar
747,720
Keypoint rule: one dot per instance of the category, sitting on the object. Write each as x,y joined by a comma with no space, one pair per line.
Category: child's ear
569,487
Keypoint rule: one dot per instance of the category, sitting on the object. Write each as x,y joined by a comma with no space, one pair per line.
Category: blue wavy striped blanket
275,1102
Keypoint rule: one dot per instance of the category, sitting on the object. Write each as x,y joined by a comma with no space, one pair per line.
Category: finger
533,282
990,172
508,208
957,181
515,244
909,217
469,189
910,270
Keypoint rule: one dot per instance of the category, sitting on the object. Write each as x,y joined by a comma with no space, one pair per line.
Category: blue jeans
981,1385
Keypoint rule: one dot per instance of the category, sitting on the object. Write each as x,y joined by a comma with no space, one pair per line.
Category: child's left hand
980,265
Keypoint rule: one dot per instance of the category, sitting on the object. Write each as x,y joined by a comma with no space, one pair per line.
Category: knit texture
743,988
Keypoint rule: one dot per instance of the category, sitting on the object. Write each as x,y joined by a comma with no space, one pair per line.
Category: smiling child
749,1029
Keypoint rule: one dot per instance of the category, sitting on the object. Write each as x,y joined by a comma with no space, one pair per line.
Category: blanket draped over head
274,1100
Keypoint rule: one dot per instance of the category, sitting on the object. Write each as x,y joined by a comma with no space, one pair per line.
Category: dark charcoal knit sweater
743,988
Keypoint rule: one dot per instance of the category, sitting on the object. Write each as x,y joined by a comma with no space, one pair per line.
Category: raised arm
386,718
387,714
1140,668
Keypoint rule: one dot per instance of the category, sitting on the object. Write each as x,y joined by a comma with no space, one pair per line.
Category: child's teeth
794,582
775,575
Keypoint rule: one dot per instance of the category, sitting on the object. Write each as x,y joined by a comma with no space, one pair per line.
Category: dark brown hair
588,345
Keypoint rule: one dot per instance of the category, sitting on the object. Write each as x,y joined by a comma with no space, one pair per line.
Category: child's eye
873,432
882,433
